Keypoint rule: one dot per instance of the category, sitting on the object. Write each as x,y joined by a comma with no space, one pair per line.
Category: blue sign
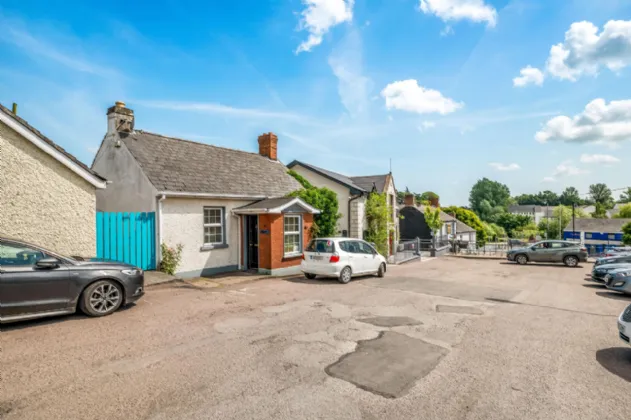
264,232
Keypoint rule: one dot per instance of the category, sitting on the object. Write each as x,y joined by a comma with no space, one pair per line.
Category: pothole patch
469,310
391,321
389,365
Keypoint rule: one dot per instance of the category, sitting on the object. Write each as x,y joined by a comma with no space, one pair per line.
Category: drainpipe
353,198
160,200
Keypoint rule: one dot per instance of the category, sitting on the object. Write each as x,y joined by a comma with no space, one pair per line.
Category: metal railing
407,250
497,249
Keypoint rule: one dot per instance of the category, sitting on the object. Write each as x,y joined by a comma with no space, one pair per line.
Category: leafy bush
626,234
432,218
171,258
323,199
470,219
624,213
512,222
377,217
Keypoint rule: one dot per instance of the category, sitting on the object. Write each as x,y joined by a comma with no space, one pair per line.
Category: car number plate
316,258
621,328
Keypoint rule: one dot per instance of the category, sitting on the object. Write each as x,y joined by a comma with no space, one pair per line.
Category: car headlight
132,272
618,284
624,274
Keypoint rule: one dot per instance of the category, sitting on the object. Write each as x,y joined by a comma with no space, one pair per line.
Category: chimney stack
409,199
268,145
120,119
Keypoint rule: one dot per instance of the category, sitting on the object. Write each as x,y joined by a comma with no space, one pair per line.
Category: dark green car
568,253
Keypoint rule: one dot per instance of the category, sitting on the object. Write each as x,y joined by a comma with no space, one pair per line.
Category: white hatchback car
341,258
624,325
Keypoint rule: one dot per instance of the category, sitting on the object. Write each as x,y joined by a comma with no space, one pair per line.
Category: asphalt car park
440,339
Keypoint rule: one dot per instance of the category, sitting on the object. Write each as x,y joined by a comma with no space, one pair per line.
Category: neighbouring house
536,213
352,193
47,196
596,234
412,224
228,208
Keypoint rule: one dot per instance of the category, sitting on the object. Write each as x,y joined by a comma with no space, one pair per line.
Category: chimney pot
119,104
268,145
409,200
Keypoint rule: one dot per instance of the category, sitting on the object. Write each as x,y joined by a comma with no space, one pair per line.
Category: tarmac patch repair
388,365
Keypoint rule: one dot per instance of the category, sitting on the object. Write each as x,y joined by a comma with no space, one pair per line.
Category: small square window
213,226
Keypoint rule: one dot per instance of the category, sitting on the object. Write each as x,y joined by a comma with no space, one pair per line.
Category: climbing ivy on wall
377,217
323,199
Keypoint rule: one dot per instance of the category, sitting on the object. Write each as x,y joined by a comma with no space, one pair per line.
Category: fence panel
127,237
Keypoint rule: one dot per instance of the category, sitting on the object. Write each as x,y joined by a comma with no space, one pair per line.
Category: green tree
432,218
470,219
528,232
561,218
570,196
626,234
526,199
600,193
625,196
489,199
600,212
377,217
512,222
430,197
323,199
624,213
548,198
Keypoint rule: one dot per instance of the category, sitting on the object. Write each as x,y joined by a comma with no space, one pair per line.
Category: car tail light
334,258
583,249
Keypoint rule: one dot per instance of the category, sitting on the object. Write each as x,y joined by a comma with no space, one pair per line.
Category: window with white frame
213,226
291,233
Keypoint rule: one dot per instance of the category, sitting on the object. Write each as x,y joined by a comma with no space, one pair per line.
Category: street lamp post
573,220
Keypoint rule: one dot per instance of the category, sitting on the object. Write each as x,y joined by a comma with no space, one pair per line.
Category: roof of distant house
463,227
357,184
530,208
175,165
597,225
92,177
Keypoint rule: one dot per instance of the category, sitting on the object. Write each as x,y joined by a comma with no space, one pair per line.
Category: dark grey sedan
35,283
568,253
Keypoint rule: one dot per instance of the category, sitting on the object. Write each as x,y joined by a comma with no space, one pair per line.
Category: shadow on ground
324,280
616,360
594,286
533,264
77,316
614,295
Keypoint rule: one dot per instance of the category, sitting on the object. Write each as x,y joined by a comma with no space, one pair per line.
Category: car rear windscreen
321,245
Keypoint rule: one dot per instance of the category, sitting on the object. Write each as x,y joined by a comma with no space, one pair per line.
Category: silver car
568,253
619,259
619,280
600,272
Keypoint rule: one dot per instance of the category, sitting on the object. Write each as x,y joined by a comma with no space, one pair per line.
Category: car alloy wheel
521,259
571,261
345,275
105,298
382,270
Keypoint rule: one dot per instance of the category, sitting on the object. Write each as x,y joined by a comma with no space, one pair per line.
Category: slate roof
49,141
177,165
367,182
598,225
462,227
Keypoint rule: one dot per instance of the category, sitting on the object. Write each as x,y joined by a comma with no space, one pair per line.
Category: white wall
343,193
183,223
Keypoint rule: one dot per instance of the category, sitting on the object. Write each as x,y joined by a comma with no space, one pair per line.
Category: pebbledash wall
42,201
182,222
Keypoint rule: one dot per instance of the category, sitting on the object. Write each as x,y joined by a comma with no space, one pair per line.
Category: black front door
252,228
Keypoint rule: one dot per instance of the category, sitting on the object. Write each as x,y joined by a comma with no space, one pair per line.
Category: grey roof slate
342,179
367,182
598,225
178,165
463,227
49,141
270,203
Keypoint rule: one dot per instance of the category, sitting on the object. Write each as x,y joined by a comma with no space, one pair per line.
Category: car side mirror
47,263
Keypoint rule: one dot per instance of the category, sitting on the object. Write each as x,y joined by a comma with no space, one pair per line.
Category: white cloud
448,30
321,15
605,159
585,51
599,122
346,61
548,179
567,169
407,95
504,166
428,124
455,10
529,75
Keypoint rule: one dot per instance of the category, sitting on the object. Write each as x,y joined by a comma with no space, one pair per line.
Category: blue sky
434,85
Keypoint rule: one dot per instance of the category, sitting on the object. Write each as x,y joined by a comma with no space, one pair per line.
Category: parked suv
569,253
35,283
341,258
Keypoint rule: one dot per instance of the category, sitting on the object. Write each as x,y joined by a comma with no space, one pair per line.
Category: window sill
292,257
211,247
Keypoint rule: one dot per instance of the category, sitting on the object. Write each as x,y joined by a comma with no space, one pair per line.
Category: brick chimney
268,145
120,118
409,200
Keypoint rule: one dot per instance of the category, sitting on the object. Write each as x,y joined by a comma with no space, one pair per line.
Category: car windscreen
321,245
